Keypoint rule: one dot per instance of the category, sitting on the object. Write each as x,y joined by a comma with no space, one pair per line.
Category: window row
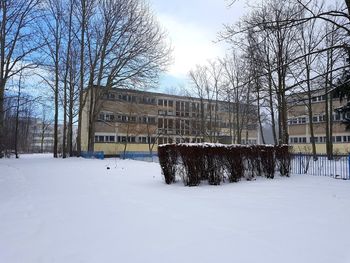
109,117
131,98
165,103
123,139
320,139
317,118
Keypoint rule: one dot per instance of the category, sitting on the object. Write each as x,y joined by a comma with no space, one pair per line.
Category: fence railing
91,155
140,156
338,167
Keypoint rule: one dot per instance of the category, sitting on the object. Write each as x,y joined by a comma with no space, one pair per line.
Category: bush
283,158
213,158
214,162
168,160
268,161
193,163
233,163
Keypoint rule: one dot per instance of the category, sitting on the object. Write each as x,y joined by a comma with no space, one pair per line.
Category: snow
77,210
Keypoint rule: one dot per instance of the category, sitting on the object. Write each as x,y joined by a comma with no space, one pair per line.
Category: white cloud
192,45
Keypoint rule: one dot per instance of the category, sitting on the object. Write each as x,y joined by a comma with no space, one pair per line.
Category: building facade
299,129
137,121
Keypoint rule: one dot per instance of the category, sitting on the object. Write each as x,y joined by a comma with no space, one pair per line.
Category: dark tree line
290,47
80,49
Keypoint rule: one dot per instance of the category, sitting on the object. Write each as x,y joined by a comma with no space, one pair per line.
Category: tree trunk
17,118
2,115
70,119
82,71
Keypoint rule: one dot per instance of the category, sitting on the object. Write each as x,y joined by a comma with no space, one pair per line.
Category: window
160,123
109,117
302,139
160,102
302,119
177,105
170,103
314,139
322,118
336,116
338,138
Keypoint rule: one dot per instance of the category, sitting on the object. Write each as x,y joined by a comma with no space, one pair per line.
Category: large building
137,121
299,129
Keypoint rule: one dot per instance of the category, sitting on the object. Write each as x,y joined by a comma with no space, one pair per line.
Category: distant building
42,136
138,121
298,124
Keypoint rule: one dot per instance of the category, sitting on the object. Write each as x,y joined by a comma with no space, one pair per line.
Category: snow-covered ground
77,210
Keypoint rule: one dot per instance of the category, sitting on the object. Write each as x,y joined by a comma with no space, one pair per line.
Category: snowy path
76,210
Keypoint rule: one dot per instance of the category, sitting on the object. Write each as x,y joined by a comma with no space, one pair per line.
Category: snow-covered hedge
216,162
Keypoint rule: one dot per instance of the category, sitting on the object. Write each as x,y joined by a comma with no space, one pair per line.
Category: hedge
214,163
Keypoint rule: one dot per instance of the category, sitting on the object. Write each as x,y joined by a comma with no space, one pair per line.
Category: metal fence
321,166
140,156
93,155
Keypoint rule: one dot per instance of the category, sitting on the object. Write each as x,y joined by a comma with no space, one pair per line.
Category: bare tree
126,49
310,40
234,73
52,32
17,112
269,19
85,9
17,45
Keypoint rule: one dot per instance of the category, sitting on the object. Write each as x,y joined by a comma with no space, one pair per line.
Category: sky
192,27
